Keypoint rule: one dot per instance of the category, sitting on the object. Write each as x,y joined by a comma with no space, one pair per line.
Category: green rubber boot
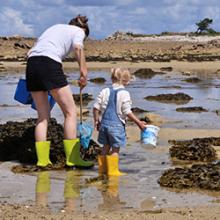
72,152
43,151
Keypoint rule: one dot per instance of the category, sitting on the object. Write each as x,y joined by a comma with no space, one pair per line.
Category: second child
111,109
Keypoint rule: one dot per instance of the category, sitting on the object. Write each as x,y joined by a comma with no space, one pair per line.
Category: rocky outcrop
125,47
203,176
178,98
17,143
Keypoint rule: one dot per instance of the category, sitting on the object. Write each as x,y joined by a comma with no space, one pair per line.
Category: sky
30,18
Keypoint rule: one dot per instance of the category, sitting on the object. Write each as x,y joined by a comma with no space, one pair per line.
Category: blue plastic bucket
23,96
51,100
149,135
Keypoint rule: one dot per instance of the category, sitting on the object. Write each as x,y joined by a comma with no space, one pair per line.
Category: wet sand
185,66
189,213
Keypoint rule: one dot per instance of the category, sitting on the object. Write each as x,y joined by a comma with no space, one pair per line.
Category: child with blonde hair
110,111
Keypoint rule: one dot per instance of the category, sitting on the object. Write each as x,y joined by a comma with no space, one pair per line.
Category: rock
197,149
191,109
17,143
178,98
2,69
192,80
146,73
186,73
138,110
204,176
98,80
169,68
215,141
218,112
22,45
85,97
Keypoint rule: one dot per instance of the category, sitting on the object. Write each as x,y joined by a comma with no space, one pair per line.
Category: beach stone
85,97
98,80
17,143
168,68
146,73
2,69
192,80
191,109
204,176
217,112
21,45
178,98
138,110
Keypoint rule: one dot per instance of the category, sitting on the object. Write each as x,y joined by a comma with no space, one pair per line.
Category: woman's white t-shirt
57,42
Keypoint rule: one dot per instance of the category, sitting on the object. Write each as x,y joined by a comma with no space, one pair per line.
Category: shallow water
205,93
139,188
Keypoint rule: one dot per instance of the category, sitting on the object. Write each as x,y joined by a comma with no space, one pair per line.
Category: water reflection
42,188
71,192
205,93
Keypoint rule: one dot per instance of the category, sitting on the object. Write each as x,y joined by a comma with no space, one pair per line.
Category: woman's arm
80,57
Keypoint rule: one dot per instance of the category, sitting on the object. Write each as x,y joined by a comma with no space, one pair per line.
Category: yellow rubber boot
112,166
72,152
102,165
43,182
43,151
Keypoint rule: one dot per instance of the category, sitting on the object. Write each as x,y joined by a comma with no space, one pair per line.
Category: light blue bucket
149,135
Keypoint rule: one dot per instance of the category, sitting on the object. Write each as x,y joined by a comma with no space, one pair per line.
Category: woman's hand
82,81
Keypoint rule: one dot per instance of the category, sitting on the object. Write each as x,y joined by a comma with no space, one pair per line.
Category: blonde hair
121,76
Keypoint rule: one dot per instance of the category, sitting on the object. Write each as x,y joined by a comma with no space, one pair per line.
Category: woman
44,73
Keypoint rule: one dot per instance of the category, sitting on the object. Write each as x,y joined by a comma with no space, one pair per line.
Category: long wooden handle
81,106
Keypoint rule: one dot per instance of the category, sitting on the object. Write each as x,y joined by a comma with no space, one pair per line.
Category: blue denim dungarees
112,129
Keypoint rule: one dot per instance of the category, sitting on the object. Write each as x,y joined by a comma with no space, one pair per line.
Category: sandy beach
178,54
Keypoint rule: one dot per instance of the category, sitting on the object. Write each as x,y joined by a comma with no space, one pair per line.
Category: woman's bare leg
43,109
63,96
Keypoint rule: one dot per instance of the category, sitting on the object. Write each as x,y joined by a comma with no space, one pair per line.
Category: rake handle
80,95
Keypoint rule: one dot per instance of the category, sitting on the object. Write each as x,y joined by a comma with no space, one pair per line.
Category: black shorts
44,74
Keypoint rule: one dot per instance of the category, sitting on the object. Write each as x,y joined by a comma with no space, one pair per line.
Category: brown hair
81,21
121,75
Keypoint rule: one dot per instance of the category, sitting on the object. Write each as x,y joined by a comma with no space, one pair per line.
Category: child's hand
97,125
142,125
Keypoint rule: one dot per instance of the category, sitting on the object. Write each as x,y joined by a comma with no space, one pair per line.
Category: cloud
12,23
31,17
